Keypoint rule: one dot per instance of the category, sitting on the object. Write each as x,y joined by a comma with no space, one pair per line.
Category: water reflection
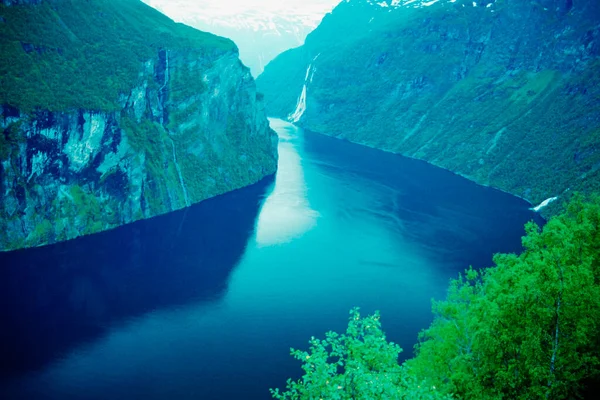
344,226
448,218
55,297
286,213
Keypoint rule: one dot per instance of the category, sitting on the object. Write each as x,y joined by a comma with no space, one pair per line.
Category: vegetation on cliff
524,328
504,93
111,112
72,54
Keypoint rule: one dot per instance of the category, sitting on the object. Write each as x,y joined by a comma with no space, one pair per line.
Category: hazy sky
237,6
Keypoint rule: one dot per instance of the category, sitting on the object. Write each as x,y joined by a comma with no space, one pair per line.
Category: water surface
205,303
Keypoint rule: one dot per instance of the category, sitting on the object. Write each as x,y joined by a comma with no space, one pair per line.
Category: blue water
205,303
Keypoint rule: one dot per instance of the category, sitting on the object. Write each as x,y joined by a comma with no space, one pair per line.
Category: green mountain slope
111,112
73,54
504,92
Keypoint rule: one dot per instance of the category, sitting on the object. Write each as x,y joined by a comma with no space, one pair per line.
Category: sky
230,7
261,28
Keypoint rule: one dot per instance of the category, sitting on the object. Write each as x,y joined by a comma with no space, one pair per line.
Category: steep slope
260,28
504,92
111,112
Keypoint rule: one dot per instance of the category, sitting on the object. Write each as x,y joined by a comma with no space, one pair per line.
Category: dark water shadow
57,297
449,217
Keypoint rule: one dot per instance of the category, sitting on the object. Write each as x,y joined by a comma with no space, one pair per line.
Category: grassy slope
83,54
515,111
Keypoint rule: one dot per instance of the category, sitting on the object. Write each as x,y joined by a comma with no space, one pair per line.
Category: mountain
261,29
111,112
503,92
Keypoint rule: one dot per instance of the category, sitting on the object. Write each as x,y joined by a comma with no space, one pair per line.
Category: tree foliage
526,328
359,364
71,54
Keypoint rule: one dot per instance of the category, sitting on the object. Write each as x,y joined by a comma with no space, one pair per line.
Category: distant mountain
504,92
261,29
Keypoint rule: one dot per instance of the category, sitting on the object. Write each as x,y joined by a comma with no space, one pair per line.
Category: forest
525,328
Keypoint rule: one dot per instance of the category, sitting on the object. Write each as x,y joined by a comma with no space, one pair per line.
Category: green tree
359,364
447,349
526,328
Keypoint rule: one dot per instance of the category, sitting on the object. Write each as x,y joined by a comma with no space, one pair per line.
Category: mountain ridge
261,30
474,89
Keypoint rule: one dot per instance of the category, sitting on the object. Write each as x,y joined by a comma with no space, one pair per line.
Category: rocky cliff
504,92
112,113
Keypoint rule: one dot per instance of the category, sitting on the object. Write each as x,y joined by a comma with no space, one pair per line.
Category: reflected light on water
286,213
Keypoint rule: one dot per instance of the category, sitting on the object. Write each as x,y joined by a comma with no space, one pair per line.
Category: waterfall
544,204
185,193
162,96
177,167
166,71
301,105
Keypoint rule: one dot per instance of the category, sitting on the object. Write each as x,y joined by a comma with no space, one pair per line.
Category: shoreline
532,206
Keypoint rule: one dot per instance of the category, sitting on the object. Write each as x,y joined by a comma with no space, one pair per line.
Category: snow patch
395,4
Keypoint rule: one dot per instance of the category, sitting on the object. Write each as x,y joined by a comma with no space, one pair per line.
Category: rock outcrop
174,122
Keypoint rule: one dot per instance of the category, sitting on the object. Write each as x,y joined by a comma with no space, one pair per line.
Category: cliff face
503,92
169,117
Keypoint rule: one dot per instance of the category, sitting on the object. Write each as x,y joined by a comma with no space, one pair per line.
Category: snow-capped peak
393,4
261,28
